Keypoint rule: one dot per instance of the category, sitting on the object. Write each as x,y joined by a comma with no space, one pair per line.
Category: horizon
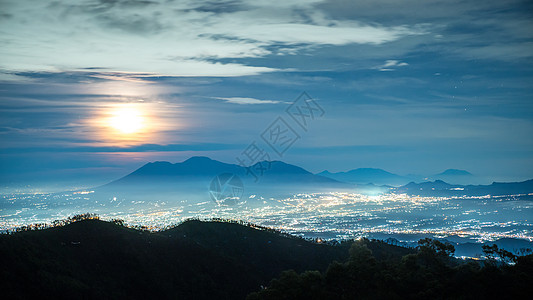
316,173
471,179
40,187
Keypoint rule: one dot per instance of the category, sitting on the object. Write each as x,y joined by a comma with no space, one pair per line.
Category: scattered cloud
121,76
391,65
244,100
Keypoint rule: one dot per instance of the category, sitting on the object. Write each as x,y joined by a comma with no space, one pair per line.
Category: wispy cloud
391,65
182,38
244,100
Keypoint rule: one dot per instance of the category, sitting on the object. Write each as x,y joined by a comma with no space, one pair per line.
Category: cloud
135,148
391,65
242,100
10,77
182,38
122,76
489,30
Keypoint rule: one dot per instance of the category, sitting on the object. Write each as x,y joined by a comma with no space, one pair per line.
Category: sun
127,120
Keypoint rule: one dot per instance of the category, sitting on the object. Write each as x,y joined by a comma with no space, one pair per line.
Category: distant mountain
455,176
454,172
367,175
191,169
382,177
192,178
439,188
199,167
515,246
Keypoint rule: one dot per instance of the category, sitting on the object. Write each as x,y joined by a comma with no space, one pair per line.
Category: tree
442,249
492,252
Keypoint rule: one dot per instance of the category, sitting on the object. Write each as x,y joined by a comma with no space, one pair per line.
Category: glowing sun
127,120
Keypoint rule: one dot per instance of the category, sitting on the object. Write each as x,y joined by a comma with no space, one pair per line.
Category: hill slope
200,260
216,260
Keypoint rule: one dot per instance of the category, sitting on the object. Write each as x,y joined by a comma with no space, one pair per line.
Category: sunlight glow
127,120
133,123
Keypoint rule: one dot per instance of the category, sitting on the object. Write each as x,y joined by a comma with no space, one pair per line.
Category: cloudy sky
407,86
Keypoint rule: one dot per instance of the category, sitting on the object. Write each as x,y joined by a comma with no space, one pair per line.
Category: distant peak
455,172
198,159
280,166
157,164
160,162
370,171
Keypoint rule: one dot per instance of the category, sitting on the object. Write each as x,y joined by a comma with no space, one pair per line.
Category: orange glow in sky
127,120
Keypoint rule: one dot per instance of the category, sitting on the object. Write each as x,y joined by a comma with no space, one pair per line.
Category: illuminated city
328,216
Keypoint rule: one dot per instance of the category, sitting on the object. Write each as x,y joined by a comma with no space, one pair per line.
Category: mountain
516,246
454,172
367,175
455,176
192,178
439,188
382,177
197,167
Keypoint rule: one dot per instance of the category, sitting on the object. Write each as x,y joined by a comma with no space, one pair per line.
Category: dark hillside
91,259
200,260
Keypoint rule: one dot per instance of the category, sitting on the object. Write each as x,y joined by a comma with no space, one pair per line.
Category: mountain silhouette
455,176
367,175
192,178
439,188
192,168
199,167
454,172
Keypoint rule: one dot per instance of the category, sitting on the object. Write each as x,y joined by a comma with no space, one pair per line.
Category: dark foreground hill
196,260
92,259
430,273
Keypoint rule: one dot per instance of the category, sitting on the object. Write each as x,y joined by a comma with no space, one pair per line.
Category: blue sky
407,86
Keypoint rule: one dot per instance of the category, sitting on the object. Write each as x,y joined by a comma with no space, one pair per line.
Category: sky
92,90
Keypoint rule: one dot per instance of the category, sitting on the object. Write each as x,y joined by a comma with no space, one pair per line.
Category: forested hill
195,260
90,259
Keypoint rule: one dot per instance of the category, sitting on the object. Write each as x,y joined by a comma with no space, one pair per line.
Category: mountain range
194,176
439,188
382,177
200,168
